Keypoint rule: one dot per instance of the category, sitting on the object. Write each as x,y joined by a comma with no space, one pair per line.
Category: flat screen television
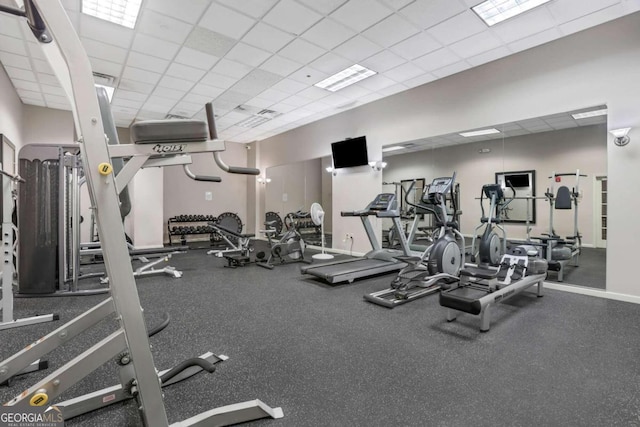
350,152
518,180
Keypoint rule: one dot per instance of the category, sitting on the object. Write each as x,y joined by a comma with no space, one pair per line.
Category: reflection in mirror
522,187
294,188
539,148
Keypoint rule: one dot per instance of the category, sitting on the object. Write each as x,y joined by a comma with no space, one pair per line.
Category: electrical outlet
208,196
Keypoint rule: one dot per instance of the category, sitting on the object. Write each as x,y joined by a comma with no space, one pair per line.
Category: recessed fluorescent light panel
344,78
109,90
587,114
494,11
392,148
481,132
121,12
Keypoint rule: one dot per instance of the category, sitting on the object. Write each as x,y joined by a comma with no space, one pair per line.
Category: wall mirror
8,157
522,186
532,149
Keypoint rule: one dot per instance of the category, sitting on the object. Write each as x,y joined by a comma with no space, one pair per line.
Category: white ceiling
548,123
267,54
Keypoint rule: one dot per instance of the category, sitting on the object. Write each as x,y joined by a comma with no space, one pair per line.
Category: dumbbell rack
305,226
198,224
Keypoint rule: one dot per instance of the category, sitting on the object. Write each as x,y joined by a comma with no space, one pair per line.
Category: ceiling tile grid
268,54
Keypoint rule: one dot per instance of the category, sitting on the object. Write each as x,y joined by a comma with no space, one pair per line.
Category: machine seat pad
479,272
155,131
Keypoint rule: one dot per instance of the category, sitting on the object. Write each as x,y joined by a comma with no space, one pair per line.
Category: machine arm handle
16,178
195,177
410,203
213,134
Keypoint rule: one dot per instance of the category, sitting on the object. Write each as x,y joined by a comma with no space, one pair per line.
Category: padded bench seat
157,131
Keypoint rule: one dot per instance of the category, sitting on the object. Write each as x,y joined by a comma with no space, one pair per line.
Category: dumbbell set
192,218
191,229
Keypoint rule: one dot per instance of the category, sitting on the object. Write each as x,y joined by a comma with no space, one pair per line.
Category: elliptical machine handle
422,207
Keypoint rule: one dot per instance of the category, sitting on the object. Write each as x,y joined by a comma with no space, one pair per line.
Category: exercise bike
440,264
491,246
290,246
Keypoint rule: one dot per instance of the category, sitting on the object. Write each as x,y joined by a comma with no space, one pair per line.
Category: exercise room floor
328,358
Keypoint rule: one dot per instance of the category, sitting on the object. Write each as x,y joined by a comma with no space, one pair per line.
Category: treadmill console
383,202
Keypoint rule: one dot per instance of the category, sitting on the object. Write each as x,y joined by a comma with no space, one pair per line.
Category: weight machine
174,141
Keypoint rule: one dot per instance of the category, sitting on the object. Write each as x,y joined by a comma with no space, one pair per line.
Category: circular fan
317,216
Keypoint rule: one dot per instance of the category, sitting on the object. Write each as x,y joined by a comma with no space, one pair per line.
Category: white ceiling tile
397,4
532,22
175,83
140,75
383,61
416,46
420,80
317,106
313,93
308,76
451,69
48,79
195,58
593,19
331,63
231,68
218,80
354,91
53,90
38,102
373,96
187,107
475,45
256,81
457,28
9,26
56,99
29,94
247,55
189,13
427,13
631,6
438,59
168,93
404,72
120,102
15,46
336,100
489,56
283,107
206,90
123,110
292,17
154,46
568,10
13,60
147,62
226,21
209,42
194,98
266,37
328,34
104,31
255,8
35,51
297,101
233,99
259,103
323,6
274,95
390,31
135,86
104,51
289,86
279,65
358,48
535,40
25,85
376,83
57,106
105,67
361,14
393,89
185,72
301,51
150,115
156,108
163,27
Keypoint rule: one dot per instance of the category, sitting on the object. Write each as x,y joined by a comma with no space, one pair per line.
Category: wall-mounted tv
350,152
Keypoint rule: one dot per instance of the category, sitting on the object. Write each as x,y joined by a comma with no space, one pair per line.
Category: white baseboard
592,292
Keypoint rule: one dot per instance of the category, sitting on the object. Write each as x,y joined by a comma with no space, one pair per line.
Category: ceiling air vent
257,117
104,79
175,116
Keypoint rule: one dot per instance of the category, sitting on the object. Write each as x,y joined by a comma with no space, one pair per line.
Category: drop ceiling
252,56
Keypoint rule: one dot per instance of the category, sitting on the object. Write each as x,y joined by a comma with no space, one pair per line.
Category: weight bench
237,242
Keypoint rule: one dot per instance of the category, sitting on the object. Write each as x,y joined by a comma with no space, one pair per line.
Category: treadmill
376,261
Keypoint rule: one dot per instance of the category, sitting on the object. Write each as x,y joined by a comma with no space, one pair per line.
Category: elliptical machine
290,246
491,246
440,263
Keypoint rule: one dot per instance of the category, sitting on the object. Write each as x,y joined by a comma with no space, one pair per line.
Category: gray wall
293,187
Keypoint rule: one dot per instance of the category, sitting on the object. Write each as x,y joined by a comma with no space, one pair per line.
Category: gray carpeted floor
328,358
